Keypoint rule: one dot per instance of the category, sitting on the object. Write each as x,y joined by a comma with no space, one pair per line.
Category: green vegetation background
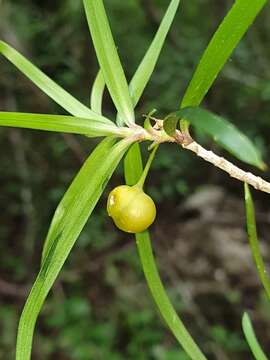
100,307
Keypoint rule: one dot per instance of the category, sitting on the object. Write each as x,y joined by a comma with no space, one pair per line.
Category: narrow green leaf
148,63
70,217
133,165
253,241
133,171
68,203
221,46
162,301
97,93
109,60
59,123
222,131
251,338
48,86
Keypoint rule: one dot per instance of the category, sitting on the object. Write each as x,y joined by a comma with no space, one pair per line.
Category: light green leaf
133,164
109,60
161,299
133,171
48,86
221,46
59,123
69,219
251,338
68,204
148,63
97,93
253,241
221,130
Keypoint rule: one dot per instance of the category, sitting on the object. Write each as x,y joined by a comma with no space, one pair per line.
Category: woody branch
158,135
235,172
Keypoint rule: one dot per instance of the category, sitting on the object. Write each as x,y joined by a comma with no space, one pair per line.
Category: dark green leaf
170,123
222,131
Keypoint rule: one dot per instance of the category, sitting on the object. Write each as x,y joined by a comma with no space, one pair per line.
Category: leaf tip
245,317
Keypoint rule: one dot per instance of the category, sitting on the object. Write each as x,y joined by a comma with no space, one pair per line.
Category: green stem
253,241
162,301
141,182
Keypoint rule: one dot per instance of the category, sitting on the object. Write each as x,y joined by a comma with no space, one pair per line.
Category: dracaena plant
122,139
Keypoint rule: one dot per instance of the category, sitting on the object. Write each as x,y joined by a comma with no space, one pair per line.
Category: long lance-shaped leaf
109,60
148,63
146,67
70,217
221,46
133,164
251,338
48,86
253,241
161,298
69,202
97,93
133,171
221,130
58,123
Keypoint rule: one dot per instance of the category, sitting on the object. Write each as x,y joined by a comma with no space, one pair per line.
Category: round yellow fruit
131,209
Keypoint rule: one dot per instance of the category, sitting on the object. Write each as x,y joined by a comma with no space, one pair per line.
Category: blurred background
100,307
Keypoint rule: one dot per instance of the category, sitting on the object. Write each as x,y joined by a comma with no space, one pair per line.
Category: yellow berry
131,209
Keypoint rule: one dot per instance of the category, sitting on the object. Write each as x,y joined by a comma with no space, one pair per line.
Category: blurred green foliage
100,307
